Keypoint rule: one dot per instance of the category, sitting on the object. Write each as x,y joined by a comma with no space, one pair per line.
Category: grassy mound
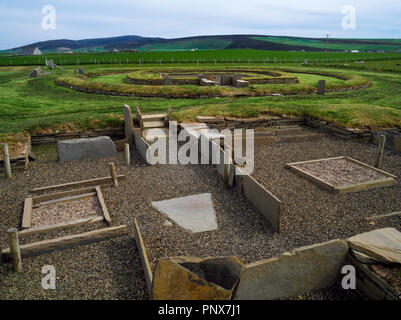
152,85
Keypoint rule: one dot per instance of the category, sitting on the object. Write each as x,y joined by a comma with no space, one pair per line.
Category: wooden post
379,158
14,249
129,124
127,155
113,174
169,115
26,161
6,159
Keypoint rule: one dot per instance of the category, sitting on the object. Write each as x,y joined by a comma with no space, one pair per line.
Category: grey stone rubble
76,149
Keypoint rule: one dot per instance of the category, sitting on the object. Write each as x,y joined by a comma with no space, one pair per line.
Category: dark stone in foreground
76,149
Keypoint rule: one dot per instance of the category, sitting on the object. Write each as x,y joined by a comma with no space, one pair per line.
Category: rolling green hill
258,42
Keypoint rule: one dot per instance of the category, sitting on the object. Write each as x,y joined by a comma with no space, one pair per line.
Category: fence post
6,159
14,249
113,174
127,155
379,158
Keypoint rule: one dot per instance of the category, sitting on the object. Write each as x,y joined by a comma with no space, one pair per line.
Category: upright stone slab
35,73
76,149
186,278
304,269
320,86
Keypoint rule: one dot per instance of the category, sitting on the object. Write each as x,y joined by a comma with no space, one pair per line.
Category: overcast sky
21,20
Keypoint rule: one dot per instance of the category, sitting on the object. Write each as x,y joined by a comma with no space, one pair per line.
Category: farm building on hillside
31,51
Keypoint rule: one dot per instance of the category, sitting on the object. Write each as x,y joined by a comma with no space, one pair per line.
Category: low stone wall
52,138
345,133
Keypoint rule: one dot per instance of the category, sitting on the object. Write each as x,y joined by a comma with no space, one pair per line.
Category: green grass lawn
42,106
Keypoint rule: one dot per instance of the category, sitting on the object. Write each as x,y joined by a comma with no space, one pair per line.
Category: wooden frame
66,242
387,181
71,195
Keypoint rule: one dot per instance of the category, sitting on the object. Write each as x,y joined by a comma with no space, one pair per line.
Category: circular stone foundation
210,82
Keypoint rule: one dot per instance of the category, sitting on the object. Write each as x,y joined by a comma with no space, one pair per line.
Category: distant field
234,56
337,44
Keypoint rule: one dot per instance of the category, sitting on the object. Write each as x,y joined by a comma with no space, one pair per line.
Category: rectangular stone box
374,177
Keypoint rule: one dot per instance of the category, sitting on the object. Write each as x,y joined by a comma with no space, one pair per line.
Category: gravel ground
112,269
340,172
312,214
60,212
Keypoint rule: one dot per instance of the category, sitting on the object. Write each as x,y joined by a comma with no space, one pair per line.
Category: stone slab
141,145
381,244
150,135
293,273
267,204
194,213
94,148
186,278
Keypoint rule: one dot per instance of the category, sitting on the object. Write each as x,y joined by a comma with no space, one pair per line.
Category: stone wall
51,138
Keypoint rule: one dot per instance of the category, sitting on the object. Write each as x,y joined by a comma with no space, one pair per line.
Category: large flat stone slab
194,213
381,244
296,272
94,148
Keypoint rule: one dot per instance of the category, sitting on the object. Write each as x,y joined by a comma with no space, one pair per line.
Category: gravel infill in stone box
340,172
60,212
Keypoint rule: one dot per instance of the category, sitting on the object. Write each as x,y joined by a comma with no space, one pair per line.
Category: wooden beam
46,246
310,176
144,257
82,183
383,216
72,198
103,205
64,194
366,185
372,168
54,227
379,158
27,215
312,161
